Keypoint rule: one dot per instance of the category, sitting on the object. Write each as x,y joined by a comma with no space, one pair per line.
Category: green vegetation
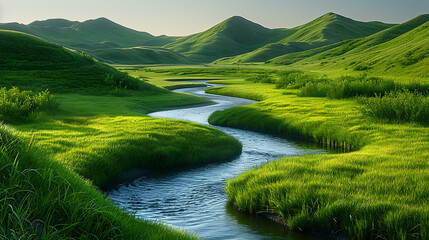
233,36
42,199
378,190
100,143
30,63
103,39
139,55
398,52
399,106
99,131
327,29
17,105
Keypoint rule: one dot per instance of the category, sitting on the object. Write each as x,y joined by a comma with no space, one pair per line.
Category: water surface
195,199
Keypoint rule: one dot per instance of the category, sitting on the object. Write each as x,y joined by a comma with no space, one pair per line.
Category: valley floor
97,138
378,191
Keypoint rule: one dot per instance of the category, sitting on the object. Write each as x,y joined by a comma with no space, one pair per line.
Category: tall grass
18,105
41,199
379,191
39,204
398,106
348,87
295,79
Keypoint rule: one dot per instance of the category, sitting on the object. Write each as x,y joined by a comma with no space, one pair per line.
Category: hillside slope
233,36
99,34
327,29
139,55
29,62
68,33
400,50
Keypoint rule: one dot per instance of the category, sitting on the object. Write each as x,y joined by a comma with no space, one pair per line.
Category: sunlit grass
377,191
42,199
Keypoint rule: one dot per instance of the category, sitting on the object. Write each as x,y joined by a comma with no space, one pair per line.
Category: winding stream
195,199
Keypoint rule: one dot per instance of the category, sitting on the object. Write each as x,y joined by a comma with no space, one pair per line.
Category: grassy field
42,199
96,130
380,190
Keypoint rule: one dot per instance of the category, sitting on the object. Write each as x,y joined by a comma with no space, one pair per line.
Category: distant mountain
233,36
327,29
68,33
99,35
400,49
233,41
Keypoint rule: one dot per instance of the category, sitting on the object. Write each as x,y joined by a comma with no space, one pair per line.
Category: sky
184,17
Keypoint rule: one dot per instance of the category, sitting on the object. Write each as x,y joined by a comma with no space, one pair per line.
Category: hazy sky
182,17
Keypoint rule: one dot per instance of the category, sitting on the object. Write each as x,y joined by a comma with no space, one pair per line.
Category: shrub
296,79
399,106
260,78
121,80
18,105
348,87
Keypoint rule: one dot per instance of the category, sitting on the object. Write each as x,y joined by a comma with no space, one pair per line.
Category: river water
195,199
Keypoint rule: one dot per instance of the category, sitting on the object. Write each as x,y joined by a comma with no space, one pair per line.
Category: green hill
233,36
400,50
139,55
266,52
68,33
29,62
327,29
100,36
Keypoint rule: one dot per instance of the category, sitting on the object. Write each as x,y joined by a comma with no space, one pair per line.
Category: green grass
380,190
31,63
42,199
99,131
20,105
101,137
399,106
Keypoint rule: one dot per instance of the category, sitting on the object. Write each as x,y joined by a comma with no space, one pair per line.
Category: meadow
72,125
79,128
379,190
92,140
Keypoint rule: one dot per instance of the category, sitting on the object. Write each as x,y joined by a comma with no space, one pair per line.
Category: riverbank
199,202
88,142
43,199
378,191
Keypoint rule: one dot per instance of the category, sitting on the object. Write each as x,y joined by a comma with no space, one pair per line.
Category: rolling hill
327,29
399,50
233,36
139,55
99,35
31,63
69,33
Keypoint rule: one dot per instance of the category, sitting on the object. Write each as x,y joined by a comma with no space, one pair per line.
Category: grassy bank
42,199
87,142
90,140
378,191
89,129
